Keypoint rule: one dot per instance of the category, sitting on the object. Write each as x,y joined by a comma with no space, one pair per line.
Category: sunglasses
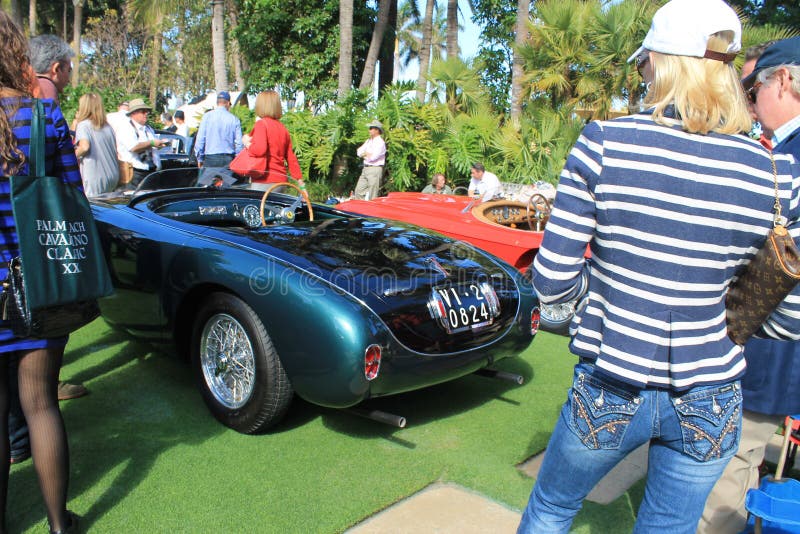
641,60
752,93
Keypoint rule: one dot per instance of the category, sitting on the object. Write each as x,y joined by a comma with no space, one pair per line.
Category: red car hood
446,214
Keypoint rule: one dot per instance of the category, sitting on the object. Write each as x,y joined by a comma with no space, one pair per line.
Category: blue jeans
17,425
217,160
692,437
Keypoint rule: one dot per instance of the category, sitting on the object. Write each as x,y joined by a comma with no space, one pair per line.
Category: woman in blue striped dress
39,359
672,203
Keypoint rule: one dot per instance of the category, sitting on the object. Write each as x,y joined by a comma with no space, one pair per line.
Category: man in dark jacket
771,384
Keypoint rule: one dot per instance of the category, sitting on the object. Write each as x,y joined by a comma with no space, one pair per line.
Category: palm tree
345,47
236,56
452,28
77,22
150,14
559,49
409,34
218,44
375,44
32,17
460,86
523,7
425,51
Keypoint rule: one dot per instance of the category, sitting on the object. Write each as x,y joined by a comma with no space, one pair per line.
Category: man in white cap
373,152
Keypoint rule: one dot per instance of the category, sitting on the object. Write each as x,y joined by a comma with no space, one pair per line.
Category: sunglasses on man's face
752,93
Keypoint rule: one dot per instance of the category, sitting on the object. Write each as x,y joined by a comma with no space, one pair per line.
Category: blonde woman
96,147
270,138
673,203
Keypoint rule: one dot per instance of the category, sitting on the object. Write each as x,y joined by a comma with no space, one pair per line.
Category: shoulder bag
769,277
245,164
53,286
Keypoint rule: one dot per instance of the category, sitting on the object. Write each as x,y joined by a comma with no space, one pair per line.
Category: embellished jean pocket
710,419
600,412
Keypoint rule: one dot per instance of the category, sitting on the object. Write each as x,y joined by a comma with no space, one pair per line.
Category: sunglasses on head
641,60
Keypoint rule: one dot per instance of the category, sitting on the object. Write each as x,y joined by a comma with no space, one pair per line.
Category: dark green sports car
271,296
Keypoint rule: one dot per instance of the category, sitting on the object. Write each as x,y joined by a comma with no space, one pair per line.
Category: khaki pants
724,512
125,173
369,183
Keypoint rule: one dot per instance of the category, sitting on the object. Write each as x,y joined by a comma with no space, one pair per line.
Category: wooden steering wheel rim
280,184
531,203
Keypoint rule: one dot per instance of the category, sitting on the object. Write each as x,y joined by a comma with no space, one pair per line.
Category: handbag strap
36,143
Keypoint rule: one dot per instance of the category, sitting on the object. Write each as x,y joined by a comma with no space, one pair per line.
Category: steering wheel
294,206
461,190
541,211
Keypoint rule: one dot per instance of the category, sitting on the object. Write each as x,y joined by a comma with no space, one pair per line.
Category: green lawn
148,457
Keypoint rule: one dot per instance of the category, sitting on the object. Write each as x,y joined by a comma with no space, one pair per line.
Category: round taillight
535,317
372,361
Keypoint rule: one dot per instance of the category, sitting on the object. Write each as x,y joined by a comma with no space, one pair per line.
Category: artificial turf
146,455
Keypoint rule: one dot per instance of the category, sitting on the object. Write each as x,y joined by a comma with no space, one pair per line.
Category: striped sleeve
63,161
561,276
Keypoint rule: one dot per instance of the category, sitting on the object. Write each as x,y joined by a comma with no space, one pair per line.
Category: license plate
464,307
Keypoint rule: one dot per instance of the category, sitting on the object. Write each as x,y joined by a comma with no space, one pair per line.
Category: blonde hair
90,106
268,104
706,93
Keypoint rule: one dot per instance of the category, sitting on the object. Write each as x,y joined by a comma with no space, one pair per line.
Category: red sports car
510,230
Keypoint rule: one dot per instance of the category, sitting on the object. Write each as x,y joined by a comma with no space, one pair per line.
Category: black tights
38,395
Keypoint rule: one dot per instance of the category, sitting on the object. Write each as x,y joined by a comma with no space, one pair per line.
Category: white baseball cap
682,28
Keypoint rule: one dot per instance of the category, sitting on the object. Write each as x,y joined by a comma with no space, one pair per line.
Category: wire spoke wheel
236,366
228,361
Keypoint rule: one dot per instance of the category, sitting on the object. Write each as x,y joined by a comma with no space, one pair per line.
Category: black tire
231,347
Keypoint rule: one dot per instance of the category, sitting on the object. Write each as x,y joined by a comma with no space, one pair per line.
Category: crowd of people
670,202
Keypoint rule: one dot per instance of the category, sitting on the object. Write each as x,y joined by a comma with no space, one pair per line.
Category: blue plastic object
777,503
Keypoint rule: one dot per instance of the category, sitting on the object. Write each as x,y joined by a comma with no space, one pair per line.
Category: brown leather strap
720,56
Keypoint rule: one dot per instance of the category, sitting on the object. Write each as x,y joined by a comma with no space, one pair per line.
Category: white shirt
488,186
373,151
131,135
182,130
784,130
117,120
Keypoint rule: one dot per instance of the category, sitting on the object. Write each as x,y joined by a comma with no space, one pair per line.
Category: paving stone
442,509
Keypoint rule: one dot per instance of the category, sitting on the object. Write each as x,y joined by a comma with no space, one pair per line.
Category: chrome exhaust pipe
501,375
379,416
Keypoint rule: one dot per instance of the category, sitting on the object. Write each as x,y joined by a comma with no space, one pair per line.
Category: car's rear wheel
237,369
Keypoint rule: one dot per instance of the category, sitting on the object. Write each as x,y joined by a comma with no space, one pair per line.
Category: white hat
682,28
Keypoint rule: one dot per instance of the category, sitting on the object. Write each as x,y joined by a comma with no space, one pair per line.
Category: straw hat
136,104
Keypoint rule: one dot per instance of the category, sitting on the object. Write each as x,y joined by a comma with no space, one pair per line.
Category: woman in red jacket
270,138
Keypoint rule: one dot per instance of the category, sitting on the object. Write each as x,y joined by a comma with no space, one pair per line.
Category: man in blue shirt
219,138
771,384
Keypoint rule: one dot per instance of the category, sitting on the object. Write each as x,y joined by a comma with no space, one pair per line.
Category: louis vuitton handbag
53,286
769,277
